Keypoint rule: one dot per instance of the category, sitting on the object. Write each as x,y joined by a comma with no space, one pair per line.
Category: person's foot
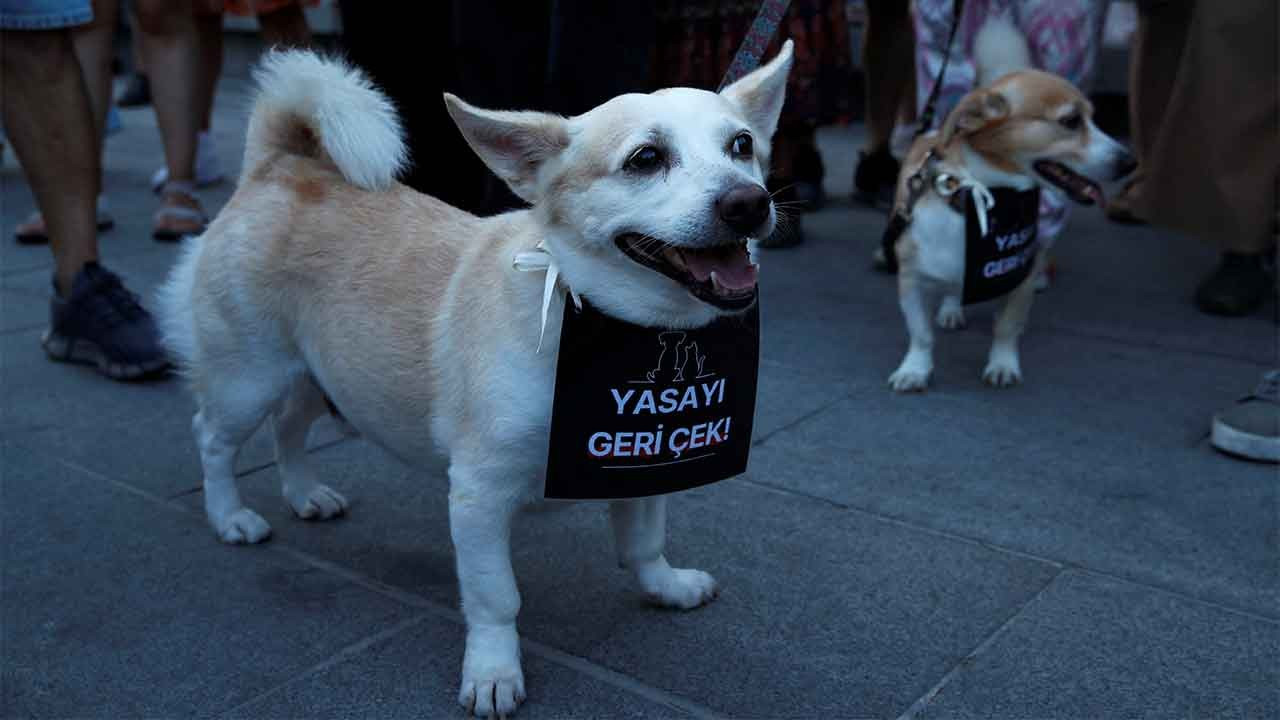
136,92
1237,287
32,231
208,169
180,214
1251,428
876,178
102,324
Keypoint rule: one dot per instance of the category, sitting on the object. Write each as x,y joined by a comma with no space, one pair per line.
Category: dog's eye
1071,122
741,146
645,159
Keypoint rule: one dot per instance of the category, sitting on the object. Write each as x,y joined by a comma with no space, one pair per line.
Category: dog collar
950,186
539,259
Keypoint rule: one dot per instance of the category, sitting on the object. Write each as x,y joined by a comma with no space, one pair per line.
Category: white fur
411,318
357,125
999,49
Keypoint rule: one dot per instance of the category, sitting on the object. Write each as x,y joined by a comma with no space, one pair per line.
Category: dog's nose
744,208
1123,164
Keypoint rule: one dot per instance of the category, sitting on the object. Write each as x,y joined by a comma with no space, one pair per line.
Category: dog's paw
1002,373
950,318
909,379
492,683
242,527
680,588
319,502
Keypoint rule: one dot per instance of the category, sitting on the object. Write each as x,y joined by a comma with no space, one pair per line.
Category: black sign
644,411
997,262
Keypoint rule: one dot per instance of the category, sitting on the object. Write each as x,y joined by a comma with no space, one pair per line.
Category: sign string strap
539,259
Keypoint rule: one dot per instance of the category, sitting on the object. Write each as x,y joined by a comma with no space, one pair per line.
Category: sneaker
876,179
1251,428
102,324
135,93
208,169
1237,287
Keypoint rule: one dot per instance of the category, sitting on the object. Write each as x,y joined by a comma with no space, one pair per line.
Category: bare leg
47,117
887,57
640,529
93,44
286,27
168,35
1003,365
209,40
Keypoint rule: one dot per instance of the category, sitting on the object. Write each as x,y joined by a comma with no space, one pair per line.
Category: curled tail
999,49
320,107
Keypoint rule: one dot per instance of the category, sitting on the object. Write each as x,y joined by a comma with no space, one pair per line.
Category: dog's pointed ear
515,145
974,112
760,93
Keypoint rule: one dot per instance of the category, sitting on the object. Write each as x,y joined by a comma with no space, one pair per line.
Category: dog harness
1000,226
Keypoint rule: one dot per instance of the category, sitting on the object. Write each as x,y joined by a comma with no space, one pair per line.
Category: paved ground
1070,548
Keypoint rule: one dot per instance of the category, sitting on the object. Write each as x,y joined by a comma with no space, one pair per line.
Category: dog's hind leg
224,422
309,499
640,529
481,507
1003,365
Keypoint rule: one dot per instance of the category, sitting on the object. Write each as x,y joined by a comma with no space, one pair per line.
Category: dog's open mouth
1080,188
723,276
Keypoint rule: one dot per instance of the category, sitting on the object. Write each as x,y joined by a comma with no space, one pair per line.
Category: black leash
900,219
931,105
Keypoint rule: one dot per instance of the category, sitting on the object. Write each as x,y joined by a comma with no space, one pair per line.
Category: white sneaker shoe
208,170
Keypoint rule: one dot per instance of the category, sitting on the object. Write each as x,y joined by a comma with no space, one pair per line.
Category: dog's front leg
640,529
480,515
1003,365
913,373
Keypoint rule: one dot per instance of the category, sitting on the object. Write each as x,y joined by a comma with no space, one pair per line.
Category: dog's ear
759,94
974,112
515,145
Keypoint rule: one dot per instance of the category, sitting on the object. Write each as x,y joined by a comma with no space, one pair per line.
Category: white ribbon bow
540,259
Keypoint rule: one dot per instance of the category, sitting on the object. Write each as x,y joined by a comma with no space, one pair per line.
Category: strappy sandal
33,231
179,216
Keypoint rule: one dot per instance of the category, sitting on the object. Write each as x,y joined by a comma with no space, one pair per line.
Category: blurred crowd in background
1192,85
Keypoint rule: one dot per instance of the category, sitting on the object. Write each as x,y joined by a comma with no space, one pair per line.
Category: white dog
325,278
1022,129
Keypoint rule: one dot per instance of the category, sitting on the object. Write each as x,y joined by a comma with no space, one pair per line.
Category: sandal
179,216
32,231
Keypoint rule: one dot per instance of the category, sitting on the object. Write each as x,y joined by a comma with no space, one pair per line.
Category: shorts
44,14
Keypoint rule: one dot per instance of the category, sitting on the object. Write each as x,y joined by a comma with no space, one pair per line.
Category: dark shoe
876,178
135,93
1237,287
102,324
1251,428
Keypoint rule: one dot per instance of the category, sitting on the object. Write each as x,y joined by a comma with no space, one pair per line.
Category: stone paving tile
1110,478
823,612
415,674
1094,647
115,606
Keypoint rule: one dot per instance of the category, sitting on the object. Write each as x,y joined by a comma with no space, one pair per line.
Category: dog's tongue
732,266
